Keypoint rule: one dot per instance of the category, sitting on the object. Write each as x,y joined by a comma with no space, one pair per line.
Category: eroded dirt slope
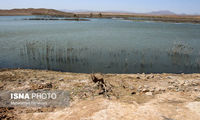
108,96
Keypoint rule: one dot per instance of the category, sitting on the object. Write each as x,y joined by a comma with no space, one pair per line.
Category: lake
99,45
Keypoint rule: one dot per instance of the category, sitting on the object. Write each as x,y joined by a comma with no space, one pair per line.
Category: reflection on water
107,46
48,56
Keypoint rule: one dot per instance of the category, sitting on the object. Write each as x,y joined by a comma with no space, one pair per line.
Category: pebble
180,89
194,84
182,83
140,87
61,79
160,89
169,77
131,88
171,87
145,90
152,89
149,93
196,89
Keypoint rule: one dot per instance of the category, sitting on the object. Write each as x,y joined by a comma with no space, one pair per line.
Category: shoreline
139,96
127,16
82,17
29,69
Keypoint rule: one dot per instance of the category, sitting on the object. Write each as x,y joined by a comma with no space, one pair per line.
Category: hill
162,12
31,11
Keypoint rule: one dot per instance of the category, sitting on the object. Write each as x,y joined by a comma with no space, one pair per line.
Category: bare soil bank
31,11
127,16
146,17
108,96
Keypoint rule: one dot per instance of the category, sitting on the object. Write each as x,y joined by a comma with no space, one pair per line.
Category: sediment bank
124,96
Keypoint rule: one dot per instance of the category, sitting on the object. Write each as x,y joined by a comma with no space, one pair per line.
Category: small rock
149,93
171,87
169,77
182,83
61,79
180,89
171,82
152,89
139,88
165,118
196,89
131,88
145,90
194,84
160,89
186,84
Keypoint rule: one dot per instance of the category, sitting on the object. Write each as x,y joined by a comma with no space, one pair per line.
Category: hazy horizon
136,6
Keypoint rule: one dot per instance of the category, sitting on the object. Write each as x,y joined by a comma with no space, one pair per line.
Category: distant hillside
163,12
32,11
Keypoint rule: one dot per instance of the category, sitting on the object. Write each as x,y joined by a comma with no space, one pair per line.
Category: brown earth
31,11
108,96
148,17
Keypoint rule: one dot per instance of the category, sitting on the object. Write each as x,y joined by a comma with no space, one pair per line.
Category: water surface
99,45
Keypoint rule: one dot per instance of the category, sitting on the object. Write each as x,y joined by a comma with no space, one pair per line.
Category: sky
137,6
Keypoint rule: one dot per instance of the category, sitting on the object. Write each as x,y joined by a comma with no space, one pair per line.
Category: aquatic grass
180,48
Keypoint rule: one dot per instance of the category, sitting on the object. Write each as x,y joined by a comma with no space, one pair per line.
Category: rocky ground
108,96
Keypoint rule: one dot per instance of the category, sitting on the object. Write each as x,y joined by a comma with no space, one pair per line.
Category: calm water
99,45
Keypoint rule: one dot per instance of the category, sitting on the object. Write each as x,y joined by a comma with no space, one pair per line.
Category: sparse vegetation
181,48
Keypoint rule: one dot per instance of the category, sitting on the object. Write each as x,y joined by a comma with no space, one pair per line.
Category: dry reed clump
180,48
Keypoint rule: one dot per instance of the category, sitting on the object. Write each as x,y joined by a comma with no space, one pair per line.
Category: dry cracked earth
107,96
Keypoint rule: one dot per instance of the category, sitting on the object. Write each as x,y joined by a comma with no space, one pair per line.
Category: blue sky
140,6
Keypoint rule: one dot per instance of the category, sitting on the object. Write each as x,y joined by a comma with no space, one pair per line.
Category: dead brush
101,84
